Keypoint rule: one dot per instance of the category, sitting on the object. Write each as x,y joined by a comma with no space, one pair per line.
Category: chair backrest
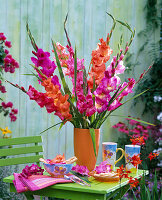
13,151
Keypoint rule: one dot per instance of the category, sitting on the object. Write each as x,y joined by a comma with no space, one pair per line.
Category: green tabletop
98,190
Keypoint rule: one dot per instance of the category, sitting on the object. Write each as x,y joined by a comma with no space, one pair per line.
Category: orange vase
83,147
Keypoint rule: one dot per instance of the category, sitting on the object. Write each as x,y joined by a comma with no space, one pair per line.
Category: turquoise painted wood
98,190
13,147
87,23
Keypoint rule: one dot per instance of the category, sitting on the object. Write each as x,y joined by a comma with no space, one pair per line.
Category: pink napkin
35,182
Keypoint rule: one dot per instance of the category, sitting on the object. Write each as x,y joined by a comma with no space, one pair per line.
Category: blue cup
130,151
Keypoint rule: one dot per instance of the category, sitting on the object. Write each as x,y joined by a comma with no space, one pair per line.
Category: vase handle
123,153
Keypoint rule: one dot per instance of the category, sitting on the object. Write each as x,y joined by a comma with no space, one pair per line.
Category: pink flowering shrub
133,129
7,64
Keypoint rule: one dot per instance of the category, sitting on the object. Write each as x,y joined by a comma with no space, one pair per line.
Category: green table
97,191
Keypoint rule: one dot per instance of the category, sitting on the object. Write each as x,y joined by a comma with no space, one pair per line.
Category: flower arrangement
95,93
8,65
91,98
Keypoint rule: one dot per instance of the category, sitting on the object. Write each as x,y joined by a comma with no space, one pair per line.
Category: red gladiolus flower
152,155
133,182
136,160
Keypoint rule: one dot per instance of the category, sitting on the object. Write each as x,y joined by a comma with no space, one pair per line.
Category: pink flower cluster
84,102
110,83
83,170
12,113
41,99
2,88
10,63
31,170
103,167
47,66
137,129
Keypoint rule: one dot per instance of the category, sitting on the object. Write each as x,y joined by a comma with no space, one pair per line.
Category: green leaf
135,96
40,72
122,192
66,89
75,71
154,190
126,25
84,82
61,125
33,74
148,193
112,194
92,132
134,195
138,120
51,127
31,38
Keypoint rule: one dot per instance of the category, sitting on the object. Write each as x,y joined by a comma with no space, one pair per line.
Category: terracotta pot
83,147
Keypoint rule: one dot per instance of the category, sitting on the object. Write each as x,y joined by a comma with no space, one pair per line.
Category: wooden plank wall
87,23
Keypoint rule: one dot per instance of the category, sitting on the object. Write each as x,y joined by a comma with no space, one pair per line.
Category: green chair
20,150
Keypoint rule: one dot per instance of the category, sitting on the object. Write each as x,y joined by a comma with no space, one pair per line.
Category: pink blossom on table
83,170
31,170
8,44
104,167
